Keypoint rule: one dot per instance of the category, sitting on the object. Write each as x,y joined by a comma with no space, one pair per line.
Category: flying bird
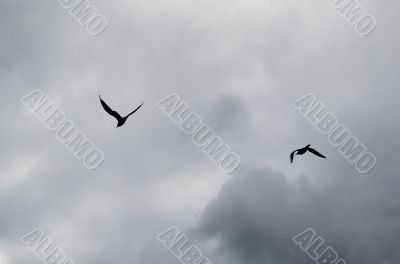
121,120
304,150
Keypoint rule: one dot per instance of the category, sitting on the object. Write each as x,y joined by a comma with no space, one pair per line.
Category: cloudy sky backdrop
239,64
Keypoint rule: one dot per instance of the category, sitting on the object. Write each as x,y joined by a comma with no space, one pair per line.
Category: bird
304,150
121,120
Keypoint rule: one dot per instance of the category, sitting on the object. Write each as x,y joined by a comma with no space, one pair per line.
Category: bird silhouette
304,150
121,120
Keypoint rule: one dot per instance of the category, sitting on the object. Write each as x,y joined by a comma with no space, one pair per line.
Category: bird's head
308,145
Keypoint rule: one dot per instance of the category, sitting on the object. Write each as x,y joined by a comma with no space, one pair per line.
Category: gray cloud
258,212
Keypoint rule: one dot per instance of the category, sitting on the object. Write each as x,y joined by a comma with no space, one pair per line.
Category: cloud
258,212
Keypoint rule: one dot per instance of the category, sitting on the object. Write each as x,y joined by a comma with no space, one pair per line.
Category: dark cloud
258,212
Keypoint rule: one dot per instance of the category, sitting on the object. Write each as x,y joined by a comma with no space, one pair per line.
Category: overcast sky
239,64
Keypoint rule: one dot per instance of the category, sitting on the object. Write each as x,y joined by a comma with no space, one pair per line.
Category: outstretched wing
109,110
135,110
313,151
292,155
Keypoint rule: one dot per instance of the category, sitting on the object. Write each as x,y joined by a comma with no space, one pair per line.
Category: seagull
304,150
121,120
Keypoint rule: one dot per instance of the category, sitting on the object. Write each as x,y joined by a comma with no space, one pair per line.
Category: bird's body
121,120
303,151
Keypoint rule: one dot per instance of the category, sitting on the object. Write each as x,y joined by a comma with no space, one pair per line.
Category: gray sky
240,65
